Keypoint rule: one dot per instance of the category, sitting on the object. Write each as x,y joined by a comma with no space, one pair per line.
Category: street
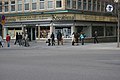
41,62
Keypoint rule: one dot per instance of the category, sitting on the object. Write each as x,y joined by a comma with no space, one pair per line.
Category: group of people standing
51,39
22,39
7,41
76,37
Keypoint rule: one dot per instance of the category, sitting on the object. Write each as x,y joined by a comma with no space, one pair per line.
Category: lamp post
118,23
118,20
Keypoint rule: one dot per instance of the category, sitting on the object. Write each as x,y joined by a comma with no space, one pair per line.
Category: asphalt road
59,63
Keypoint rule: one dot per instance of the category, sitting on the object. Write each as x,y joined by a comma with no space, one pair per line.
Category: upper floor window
84,4
6,6
58,3
74,4
34,4
79,4
50,4
19,5
26,3
103,7
41,4
13,5
94,5
98,5
90,5
0,6
68,3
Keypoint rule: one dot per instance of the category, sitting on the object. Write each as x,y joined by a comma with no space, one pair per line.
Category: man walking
8,40
52,39
95,37
59,37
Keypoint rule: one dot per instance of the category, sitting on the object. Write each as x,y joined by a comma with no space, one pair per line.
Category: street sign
109,8
3,20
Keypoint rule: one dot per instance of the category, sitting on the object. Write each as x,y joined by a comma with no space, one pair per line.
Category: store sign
63,17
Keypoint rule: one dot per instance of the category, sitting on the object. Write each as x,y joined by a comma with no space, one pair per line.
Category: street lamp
118,19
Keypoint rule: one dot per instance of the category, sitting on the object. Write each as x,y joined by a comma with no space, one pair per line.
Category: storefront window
110,31
44,30
58,3
99,29
79,4
66,31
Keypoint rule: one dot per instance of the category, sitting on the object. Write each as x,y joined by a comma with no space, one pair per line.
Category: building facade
39,17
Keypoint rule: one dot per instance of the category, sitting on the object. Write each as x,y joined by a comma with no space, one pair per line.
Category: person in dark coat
16,41
95,37
53,39
59,37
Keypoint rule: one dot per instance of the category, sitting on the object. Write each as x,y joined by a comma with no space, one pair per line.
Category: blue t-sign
109,8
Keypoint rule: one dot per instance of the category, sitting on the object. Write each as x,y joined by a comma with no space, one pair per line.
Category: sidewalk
42,44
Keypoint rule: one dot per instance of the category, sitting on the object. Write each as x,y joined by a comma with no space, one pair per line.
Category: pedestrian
26,40
76,38
95,37
48,41
16,40
20,39
59,38
1,41
73,38
8,40
52,39
82,36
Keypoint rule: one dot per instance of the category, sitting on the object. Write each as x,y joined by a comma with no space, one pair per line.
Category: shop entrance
31,33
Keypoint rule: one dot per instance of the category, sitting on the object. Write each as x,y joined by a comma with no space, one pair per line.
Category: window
79,4
102,7
58,3
99,29
19,5
50,4
34,4
0,6
68,3
84,5
41,4
26,3
110,31
6,6
90,5
74,4
94,5
98,5
12,5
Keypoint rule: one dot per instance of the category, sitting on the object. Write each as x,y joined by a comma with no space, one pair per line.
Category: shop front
39,26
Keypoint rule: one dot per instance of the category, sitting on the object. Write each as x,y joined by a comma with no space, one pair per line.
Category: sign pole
118,31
